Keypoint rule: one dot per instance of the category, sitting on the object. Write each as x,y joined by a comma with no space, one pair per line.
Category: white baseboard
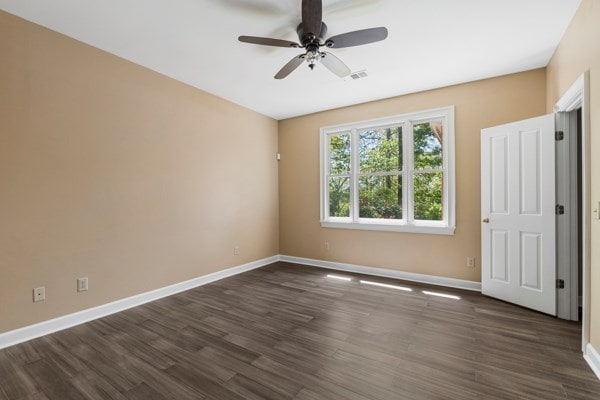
593,359
44,328
387,273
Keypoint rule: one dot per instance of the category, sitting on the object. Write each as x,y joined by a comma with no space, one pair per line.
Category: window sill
427,229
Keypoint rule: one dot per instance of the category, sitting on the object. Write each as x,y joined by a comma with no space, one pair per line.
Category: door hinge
560,210
559,135
560,283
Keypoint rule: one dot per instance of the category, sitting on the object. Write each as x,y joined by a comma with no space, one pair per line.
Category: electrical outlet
326,246
39,294
82,284
471,262
236,251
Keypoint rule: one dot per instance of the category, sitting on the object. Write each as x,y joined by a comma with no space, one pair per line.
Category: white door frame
578,96
567,224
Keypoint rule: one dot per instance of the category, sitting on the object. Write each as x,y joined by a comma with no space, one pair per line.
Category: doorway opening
577,99
579,215
569,218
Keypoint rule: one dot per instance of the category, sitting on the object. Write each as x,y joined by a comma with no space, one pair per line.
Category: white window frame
408,223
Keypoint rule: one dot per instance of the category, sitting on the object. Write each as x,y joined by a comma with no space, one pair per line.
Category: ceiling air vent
357,75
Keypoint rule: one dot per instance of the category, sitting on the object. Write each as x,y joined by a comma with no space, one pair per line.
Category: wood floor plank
158,380
197,380
288,332
62,357
25,353
110,369
192,360
308,380
94,386
143,392
17,384
284,387
52,381
142,350
250,389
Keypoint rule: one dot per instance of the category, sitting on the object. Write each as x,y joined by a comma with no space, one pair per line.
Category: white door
518,232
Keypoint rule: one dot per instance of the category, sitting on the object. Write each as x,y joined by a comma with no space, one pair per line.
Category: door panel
530,172
499,256
518,216
530,266
499,174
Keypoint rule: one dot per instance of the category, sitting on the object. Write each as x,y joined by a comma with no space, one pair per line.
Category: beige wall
114,172
579,50
477,105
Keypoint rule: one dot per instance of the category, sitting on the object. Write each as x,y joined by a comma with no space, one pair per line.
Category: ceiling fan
311,31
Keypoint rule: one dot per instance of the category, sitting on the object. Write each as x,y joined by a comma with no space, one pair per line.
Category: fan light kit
311,32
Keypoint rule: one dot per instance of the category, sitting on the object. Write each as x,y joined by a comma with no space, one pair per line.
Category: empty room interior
299,199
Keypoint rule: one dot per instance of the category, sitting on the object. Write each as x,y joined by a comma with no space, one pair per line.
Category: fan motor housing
303,39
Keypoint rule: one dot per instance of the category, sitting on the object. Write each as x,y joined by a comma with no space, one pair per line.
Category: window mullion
354,166
407,142
445,187
387,173
328,175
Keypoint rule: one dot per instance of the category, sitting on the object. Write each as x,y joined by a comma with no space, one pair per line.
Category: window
393,174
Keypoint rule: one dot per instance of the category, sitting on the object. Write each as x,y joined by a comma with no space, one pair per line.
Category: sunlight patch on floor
447,296
341,278
385,285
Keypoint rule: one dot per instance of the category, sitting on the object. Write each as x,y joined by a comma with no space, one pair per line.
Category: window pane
339,197
381,150
339,154
380,197
428,196
428,139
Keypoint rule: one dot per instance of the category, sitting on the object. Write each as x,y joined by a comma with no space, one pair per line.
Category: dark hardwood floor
290,332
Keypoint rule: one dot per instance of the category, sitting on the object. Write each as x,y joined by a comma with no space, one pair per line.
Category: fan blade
356,38
268,41
290,66
334,64
312,14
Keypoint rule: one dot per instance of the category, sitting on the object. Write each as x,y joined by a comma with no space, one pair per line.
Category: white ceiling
431,43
